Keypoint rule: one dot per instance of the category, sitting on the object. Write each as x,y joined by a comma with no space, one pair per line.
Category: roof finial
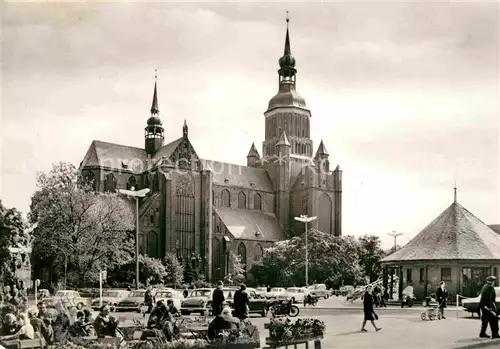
287,51
185,129
287,18
455,186
154,104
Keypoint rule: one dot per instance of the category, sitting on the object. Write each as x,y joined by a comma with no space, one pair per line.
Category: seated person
172,309
10,325
26,330
159,312
160,320
61,323
42,327
224,321
78,329
104,324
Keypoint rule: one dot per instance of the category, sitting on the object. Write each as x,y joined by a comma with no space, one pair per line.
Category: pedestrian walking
149,299
368,310
241,302
441,297
217,299
489,312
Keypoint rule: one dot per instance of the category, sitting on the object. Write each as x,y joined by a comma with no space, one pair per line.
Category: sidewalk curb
483,344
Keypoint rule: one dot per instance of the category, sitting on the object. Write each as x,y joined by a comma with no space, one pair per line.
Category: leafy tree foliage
332,259
173,269
149,268
77,225
189,273
370,253
13,233
238,275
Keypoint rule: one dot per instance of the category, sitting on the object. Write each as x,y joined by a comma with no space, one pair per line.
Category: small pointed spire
185,129
321,149
455,194
287,51
253,151
154,104
283,140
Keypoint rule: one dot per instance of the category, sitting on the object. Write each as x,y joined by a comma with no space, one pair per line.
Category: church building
205,211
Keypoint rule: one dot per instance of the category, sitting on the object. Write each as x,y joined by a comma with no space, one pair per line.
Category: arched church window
258,253
325,214
257,202
242,252
213,198
152,242
185,216
219,259
242,200
132,183
89,179
226,198
110,183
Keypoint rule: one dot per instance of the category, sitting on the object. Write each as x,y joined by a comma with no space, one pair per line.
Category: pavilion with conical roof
456,247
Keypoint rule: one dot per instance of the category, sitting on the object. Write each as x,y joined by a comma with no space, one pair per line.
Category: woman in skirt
368,310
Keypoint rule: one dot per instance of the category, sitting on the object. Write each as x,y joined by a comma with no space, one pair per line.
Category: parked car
134,301
320,291
164,294
344,290
277,292
200,300
297,294
261,291
68,298
109,297
472,304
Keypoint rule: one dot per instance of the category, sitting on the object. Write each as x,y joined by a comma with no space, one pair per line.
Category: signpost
37,283
102,276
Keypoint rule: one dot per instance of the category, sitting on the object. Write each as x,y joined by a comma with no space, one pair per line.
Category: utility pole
305,219
394,235
137,195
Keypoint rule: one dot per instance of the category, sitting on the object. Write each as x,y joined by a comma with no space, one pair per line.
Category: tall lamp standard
395,235
305,219
137,195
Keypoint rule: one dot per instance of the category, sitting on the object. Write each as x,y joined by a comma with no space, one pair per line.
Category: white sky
404,95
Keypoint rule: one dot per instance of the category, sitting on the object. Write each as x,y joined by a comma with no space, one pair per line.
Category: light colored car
297,294
320,291
68,298
200,300
134,301
278,293
109,297
261,291
472,304
165,294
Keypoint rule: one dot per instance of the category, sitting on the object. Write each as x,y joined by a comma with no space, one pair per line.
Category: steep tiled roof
243,224
233,175
168,149
495,228
113,155
454,234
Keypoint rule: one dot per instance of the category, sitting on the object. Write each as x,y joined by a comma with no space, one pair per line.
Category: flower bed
284,331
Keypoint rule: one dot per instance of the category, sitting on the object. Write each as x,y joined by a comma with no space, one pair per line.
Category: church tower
287,111
154,132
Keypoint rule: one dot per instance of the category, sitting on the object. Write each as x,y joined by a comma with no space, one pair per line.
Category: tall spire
154,104
455,194
287,51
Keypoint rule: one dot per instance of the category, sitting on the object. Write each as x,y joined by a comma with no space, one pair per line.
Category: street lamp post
305,219
395,235
137,195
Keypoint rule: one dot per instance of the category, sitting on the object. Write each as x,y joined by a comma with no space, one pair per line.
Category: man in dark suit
241,303
487,306
441,297
217,299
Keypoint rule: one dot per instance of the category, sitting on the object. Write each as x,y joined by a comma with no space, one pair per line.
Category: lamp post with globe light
137,195
305,219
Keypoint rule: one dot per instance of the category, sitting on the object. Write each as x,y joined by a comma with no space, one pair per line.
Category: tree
238,274
174,270
79,226
189,273
13,233
370,253
333,259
